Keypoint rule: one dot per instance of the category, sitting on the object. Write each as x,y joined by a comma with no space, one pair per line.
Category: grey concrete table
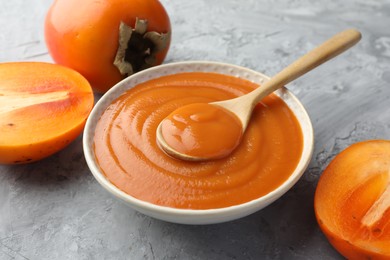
54,209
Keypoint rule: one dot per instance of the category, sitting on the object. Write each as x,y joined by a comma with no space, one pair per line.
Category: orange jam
202,130
128,154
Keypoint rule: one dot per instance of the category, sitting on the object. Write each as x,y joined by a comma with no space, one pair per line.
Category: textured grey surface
54,209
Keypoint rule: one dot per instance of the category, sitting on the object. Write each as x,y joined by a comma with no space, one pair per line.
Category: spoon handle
242,106
324,52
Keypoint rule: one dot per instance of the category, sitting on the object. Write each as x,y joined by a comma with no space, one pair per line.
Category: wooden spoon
243,106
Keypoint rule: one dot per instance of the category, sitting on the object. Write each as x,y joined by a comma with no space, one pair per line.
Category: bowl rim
144,206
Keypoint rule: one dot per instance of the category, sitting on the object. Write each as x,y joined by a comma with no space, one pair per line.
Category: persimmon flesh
43,107
352,201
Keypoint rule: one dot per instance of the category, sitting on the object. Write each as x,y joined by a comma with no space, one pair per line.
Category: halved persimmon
352,201
43,107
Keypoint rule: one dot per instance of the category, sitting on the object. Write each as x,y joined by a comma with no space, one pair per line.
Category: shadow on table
62,168
286,229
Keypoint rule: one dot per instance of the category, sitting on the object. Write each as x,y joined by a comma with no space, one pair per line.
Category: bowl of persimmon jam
123,155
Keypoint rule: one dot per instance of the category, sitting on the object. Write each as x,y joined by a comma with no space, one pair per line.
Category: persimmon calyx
377,210
11,101
137,47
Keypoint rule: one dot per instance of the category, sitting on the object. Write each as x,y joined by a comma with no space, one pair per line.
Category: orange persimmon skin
43,107
83,35
349,188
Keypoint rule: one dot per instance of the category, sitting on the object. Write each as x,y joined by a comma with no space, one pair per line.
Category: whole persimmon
107,40
43,107
352,201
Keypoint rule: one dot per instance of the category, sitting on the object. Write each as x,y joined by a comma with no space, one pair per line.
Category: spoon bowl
172,152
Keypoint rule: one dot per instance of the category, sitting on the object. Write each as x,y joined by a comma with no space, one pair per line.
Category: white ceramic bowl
188,216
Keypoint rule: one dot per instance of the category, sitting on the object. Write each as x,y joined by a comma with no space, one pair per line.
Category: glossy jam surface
202,130
128,154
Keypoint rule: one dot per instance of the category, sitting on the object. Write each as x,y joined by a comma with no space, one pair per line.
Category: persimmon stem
123,66
377,210
138,47
11,101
